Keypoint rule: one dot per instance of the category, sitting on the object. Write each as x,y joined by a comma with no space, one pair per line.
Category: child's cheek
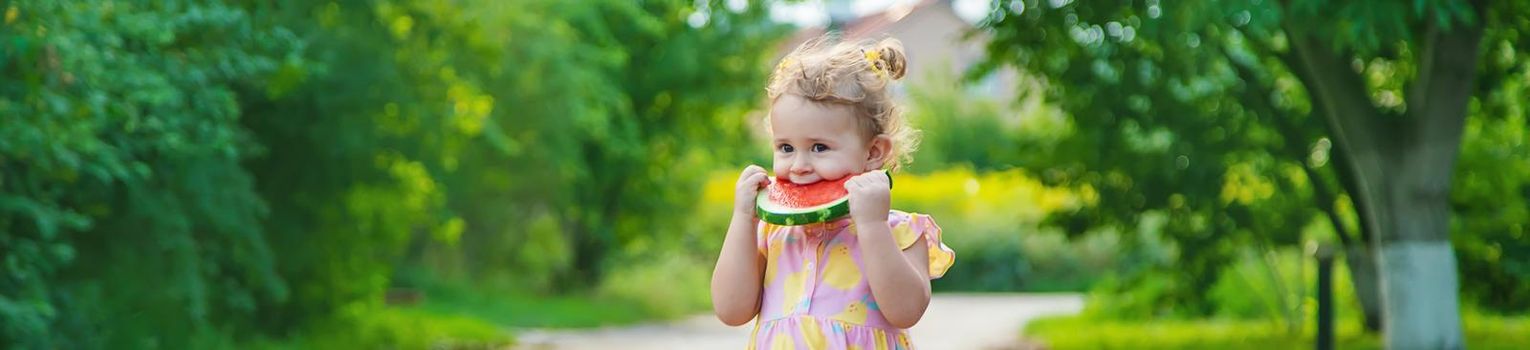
780,164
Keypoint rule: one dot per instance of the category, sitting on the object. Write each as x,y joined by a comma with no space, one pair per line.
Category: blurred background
449,174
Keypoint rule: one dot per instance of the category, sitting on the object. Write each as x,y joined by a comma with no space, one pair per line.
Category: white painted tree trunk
1420,295
1420,292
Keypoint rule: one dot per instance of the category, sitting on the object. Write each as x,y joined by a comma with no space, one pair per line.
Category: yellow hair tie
873,58
784,62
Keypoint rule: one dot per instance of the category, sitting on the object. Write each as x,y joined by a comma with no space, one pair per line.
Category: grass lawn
1084,332
394,328
454,316
523,310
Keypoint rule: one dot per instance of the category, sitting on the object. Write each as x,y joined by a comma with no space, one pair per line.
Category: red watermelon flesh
783,191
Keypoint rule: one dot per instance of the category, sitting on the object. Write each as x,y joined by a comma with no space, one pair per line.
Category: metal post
1324,254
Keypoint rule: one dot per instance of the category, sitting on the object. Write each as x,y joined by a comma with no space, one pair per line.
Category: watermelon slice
787,203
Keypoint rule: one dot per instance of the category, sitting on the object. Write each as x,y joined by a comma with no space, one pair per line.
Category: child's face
816,142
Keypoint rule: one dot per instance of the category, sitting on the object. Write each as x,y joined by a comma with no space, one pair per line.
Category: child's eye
785,148
819,147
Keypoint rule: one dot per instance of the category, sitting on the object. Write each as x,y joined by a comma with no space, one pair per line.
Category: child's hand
749,184
870,196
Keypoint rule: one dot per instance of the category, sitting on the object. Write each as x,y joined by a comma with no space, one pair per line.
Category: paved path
954,321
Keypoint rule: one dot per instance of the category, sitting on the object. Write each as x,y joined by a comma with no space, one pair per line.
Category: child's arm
899,279
737,277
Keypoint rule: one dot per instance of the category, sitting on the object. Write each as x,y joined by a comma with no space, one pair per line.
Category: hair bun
891,58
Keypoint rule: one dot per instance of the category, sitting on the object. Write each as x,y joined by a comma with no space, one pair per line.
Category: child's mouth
806,180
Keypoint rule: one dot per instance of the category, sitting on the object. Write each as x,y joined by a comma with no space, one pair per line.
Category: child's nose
800,165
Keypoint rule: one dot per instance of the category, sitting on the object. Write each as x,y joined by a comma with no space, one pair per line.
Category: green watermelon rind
802,216
799,216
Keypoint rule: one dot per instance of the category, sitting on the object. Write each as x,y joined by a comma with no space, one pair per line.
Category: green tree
681,85
1491,203
186,174
1187,149
602,129
125,216
1389,82
359,130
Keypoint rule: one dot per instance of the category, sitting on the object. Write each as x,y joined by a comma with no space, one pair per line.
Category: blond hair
855,74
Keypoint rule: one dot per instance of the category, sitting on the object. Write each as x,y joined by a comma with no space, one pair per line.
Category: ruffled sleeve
908,228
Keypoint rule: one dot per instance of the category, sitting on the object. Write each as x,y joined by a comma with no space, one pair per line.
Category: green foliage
1189,139
1196,111
531,141
196,174
1371,26
685,281
998,250
373,115
676,83
126,216
1492,206
1262,300
950,118
1271,285
1491,226
618,139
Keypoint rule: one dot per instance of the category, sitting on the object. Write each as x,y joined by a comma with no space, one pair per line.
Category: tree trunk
1359,253
1362,274
1418,266
589,250
1405,185
1402,166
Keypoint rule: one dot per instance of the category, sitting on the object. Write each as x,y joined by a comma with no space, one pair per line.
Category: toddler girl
854,283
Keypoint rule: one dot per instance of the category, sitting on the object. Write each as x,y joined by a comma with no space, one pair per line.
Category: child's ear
876,157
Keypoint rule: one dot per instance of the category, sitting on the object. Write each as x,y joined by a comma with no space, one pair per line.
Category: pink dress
814,294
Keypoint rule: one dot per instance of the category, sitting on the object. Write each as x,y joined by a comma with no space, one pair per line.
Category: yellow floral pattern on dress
854,313
815,293
773,255
783,343
793,286
841,272
813,340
